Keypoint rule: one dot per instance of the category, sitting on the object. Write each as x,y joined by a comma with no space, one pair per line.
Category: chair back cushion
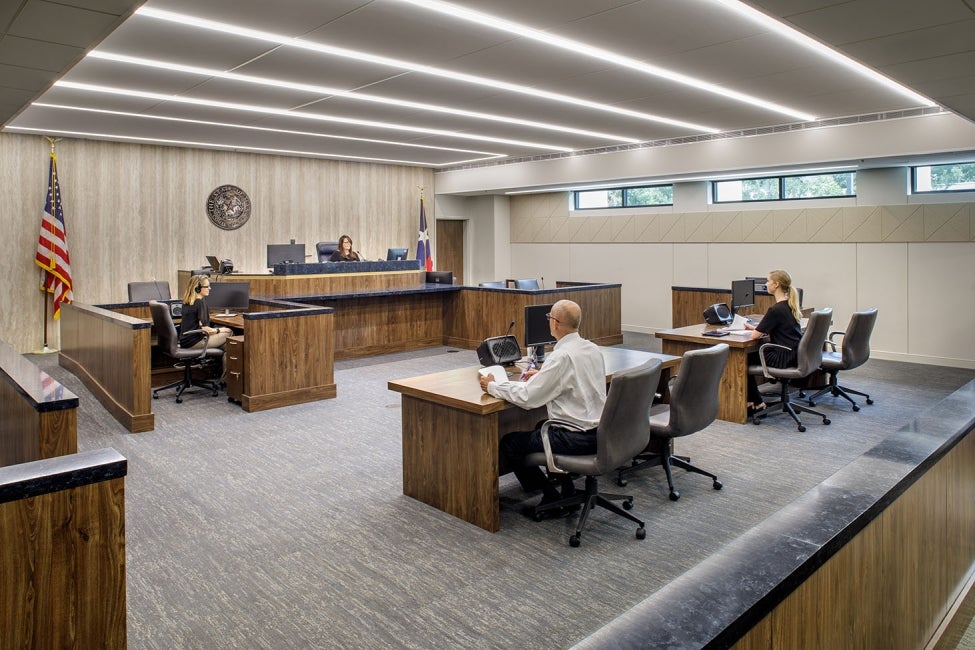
325,249
856,341
165,329
145,291
694,394
811,344
624,426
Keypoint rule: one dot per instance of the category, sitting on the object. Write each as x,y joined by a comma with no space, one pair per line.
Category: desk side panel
289,286
367,326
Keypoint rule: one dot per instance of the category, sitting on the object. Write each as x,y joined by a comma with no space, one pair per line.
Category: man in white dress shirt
572,386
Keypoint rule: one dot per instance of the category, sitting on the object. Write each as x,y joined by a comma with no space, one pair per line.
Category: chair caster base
717,485
641,533
575,540
674,495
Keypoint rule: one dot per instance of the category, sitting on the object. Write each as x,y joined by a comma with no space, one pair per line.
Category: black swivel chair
325,250
187,359
623,432
693,407
810,357
146,291
855,353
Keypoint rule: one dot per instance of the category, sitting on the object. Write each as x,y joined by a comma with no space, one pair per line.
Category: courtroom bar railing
62,552
877,556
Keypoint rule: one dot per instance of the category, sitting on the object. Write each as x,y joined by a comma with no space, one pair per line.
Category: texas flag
423,242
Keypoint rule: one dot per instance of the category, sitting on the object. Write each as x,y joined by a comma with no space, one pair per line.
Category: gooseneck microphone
543,281
510,325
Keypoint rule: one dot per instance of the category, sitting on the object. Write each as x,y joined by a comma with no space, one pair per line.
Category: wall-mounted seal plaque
228,207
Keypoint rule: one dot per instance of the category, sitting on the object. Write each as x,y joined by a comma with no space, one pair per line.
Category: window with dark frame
785,188
623,197
954,177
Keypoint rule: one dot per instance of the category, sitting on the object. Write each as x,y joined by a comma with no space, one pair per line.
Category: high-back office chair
325,249
693,407
529,283
493,285
855,353
187,359
810,356
623,432
146,291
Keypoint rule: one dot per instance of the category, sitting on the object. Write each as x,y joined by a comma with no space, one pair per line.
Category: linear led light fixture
799,38
217,145
488,155
267,110
357,96
580,48
400,64
688,179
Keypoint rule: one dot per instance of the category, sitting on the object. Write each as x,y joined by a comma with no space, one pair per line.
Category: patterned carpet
289,529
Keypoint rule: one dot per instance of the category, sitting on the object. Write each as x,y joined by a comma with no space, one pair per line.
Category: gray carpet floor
289,529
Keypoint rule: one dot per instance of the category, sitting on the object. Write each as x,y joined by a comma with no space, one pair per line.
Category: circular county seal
228,207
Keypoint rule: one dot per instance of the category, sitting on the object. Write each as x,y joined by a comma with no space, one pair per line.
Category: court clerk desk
451,431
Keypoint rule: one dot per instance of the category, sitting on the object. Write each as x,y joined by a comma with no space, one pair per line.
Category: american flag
423,243
52,245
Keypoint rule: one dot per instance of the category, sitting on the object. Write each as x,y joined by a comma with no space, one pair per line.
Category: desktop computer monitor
397,254
537,332
285,253
440,277
229,296
742,294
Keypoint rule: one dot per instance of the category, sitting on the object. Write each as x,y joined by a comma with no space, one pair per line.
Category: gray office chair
325,249
810,357
529,283
187,359
622,433
492,285
855,353
146,291
693,407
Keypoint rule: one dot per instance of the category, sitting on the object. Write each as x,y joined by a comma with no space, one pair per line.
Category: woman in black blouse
781,324
344,252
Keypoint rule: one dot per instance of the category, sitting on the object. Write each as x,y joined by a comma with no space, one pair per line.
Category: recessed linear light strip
487,155
689,179
365,97
218,145
838,58
266,110
578,47
187,20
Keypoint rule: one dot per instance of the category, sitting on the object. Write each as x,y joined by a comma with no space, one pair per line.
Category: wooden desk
733,391
451,431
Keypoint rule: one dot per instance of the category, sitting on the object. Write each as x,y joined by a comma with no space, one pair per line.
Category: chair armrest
206,341
761,356
547,445
830,342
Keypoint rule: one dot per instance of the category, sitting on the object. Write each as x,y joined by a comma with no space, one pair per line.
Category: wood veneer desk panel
733,391
110,352
289,286
40,416
688,303
477,313
451,431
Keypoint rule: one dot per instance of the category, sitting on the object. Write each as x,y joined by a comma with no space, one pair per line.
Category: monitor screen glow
229,297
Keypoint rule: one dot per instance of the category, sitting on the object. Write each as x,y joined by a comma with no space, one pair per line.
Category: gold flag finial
420,187
53,142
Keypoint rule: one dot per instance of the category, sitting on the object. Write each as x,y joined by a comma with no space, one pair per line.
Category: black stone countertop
26,480
36,386
369,266
720,599
380,293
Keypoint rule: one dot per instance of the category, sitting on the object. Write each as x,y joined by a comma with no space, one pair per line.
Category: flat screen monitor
285,253
398,254
440,277
230,297
742,294
537,332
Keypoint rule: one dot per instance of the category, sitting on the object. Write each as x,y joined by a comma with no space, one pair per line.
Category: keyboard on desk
715,333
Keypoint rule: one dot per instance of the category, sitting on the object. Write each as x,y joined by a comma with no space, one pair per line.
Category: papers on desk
737,326
498,374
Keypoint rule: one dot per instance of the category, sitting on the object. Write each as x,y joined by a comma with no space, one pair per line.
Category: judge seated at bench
344,252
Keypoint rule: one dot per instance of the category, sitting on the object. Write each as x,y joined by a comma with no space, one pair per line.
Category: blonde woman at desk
196,316
344,252
781,324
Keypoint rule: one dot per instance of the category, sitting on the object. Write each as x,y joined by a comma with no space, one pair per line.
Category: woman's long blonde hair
785,281
191,294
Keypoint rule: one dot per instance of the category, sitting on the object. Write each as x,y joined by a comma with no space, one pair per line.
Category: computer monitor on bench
537,332
230,297
397,254
742,294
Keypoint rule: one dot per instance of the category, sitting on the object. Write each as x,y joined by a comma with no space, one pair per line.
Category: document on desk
498,374
737,326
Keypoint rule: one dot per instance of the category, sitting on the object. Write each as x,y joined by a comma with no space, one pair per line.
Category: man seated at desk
572,386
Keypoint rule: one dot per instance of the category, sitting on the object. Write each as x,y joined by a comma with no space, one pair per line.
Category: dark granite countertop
369,266
380,293
720,599
573,286
36,386
26,480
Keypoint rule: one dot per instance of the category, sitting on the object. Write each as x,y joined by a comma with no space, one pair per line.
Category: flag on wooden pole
423,243
52,245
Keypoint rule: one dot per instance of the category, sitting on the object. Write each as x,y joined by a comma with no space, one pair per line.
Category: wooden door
450,247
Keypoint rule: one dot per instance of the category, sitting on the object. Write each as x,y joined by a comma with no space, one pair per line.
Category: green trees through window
784,188
957,177
624,197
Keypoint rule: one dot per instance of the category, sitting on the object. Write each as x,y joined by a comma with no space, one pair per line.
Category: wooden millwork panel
234,351
688,305
383,324
288,286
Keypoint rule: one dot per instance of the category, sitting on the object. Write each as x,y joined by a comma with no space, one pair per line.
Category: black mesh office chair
187,359
325,250
855,353
810,357
623,432
693,407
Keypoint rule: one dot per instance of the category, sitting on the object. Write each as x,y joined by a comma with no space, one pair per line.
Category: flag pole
46,349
